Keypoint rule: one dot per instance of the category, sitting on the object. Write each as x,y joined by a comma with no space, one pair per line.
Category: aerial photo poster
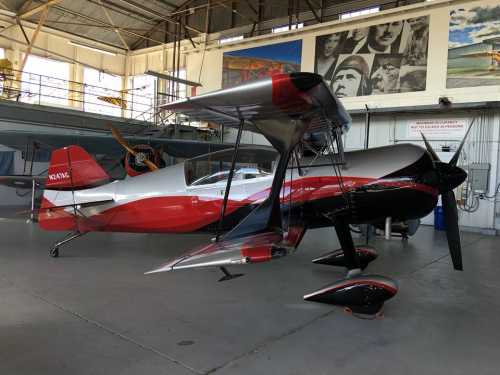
474,47
380,59
259,62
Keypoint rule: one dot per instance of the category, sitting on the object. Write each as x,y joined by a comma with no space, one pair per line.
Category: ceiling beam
158,24
3,5
208,17
42,19
94,25
7,28
117,31
318,18
154,13
252,8
150,32
124,11
167,3
39,9
251,20
83,16
25,5
31,25
22,30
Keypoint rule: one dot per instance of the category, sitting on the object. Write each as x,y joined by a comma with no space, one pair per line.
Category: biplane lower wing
255,248
282,108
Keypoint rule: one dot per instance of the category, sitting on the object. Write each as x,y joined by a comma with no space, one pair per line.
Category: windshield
214,167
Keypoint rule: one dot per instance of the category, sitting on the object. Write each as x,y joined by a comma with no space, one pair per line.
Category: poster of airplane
474,47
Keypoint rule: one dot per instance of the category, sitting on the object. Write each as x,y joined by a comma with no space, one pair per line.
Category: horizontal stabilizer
21,181
79,205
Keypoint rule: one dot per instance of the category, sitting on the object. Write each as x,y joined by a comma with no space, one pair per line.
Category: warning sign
437,128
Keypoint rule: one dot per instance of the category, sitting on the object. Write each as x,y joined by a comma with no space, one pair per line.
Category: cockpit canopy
251,162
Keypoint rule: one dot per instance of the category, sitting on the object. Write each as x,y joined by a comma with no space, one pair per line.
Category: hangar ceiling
134,24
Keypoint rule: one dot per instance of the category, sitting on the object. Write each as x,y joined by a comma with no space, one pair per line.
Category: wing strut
229,179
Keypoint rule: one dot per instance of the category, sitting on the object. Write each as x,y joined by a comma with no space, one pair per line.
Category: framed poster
254,63
474,47
380,59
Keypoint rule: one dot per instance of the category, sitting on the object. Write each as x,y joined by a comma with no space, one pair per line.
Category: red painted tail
72,168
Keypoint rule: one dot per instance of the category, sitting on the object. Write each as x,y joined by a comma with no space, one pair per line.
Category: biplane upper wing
283,96
282,108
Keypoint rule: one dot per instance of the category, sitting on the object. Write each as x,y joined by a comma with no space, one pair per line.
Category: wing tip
159,269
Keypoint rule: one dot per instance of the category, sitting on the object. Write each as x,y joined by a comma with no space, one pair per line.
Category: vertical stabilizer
72,168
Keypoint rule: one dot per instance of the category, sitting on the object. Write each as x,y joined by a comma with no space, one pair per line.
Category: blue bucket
439,218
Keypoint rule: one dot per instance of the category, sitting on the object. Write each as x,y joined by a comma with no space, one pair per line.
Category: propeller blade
119,138
452,230
152,166
454,159
429,148
117,135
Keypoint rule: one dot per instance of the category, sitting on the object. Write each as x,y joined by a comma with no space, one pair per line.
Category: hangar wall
207,64
204,65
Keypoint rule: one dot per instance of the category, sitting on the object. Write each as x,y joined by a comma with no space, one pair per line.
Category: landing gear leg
228,275
351,257
54,251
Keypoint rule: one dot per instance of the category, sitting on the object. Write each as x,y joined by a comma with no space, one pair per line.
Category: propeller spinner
450,176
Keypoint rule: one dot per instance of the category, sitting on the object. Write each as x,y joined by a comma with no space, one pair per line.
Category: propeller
119,138
450,176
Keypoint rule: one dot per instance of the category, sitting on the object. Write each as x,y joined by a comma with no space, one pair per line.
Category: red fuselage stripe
191,213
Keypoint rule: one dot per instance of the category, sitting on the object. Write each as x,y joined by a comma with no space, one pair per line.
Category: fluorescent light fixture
92,48
230,39
361,12
8,13
280,29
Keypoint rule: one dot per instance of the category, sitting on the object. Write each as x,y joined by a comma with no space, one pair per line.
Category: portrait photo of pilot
385,73
328,48
417,41
383,38
352,77
355,40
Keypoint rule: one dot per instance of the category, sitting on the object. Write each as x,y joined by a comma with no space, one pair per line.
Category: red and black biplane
260,200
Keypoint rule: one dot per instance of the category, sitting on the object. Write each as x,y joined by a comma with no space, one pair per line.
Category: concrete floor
92,311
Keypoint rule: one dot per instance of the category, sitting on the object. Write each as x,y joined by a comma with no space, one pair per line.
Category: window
45,81
102,93
230,39
4,75
361,12
141,95
280,29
